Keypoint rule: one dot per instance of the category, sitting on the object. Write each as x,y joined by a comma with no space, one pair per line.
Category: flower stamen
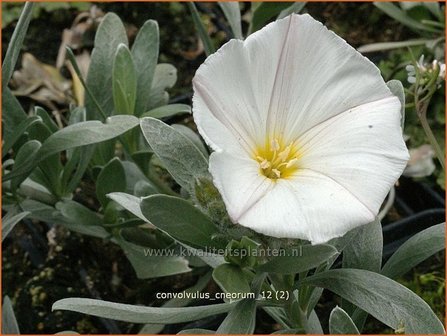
276,160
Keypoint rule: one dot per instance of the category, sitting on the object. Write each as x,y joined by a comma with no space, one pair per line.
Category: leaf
75,217
397,89
145,55
11,138
10,221
233,14
288,332
191,135
241,319
40,112
341,324
15,45
201,29
140,314
179,155
149,266
9,321
165,77
109,36
76,166
180,219
383,46
313,324
396,13
27,153
231,279
295,8
12,113
196,332
134,175
365,249
128,202
167,111
77,135
177,302
111,179
124,81
415,250
264,12
383,298
300,259
363,252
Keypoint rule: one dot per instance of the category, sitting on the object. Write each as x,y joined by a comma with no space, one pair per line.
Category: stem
422,113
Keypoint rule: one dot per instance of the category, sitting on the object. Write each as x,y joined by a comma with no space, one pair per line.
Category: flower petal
362,149
318,75
225,108
280,80
239,182
310,206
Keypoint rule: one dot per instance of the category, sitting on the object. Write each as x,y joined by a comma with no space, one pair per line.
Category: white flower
412,71
306,135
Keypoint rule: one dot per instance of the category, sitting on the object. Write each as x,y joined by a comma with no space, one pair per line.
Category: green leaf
341,324
397,89
11,138
180,219
396,13
383,298
9,322
365,249
295,8
109,36
177,153
145,55
415,250
77,135
10,221
231,279
140,314
196,332
149,266
165,77
313,324
201,29
40,112
73,216
167,111
15,45
191,135
233,14
288,332
177,302
300,259
264,12
383,46
27,153
241,319
111,179
78,213
12,113
128,202
76,166
124,81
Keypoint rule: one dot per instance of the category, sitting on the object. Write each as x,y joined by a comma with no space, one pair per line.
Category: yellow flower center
277,160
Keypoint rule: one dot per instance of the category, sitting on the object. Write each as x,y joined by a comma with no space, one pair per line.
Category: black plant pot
420,205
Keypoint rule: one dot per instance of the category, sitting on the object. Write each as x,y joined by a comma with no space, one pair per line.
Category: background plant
101,145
